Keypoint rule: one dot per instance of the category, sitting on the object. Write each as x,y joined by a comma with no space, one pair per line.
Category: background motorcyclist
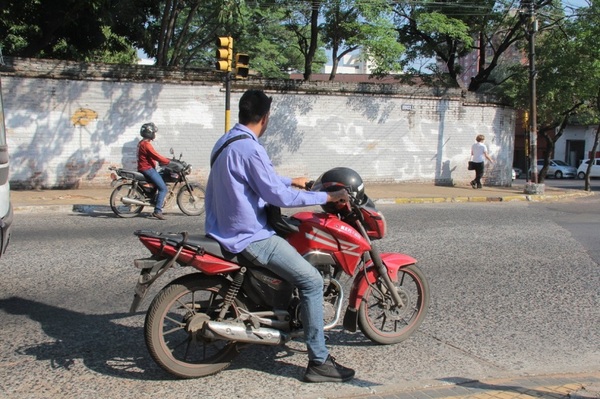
147,157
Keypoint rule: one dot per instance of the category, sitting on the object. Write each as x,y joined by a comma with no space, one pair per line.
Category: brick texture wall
68,122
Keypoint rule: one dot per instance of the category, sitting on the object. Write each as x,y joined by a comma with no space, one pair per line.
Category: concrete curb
507,198
92,208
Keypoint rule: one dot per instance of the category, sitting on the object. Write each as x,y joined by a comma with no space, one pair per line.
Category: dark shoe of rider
479,186
473,184
330,371
158,215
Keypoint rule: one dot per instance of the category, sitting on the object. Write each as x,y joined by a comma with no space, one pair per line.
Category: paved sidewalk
574,386
401,193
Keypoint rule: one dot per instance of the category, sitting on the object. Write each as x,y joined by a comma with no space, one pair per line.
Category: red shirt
147,156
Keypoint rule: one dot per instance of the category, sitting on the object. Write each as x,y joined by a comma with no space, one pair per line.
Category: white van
595,172
6,211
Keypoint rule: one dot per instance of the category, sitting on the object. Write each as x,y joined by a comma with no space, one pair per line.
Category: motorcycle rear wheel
124,210
191,202
378,318
173,322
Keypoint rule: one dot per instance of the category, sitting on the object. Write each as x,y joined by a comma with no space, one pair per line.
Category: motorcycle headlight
188,169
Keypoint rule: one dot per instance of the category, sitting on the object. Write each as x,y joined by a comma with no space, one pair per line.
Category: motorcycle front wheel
191,202
126,210
384,323
174,322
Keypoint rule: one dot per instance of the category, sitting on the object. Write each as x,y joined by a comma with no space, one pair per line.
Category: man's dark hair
254,104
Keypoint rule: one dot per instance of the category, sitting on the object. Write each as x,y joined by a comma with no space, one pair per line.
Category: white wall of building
66,133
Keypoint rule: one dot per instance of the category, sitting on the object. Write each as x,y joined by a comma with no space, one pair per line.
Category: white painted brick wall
384,137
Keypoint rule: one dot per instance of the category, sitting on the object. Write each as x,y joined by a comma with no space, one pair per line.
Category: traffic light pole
224,63
227,101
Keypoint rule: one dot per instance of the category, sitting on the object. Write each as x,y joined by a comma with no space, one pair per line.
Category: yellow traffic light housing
242,62
224,53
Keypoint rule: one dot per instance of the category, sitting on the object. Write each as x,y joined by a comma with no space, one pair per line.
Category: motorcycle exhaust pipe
242,333
131,201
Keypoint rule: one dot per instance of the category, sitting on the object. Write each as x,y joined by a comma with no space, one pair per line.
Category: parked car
595,172
557,169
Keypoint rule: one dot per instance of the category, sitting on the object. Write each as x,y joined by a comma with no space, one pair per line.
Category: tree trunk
587,185
314,35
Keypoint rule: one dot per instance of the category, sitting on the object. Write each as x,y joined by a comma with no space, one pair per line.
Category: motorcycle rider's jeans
280,257
153,176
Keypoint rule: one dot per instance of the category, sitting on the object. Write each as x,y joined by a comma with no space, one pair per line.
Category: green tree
63,29
368,26
449,30
585,31
567,79
302,19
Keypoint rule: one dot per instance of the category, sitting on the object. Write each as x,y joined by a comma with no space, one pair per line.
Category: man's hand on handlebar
340,197
301,182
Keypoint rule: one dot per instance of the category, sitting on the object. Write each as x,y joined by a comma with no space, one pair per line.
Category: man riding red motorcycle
242,180
243,291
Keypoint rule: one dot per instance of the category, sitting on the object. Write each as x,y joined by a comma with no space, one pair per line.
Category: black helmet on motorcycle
338,178
148,130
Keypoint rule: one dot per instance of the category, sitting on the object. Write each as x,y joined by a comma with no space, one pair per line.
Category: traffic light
241,65
525,121
224,53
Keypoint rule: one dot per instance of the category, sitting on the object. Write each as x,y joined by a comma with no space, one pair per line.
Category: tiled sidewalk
584,386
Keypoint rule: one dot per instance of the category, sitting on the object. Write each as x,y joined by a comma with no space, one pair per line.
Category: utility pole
533,187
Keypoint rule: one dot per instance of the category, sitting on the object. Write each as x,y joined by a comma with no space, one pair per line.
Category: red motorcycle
196,324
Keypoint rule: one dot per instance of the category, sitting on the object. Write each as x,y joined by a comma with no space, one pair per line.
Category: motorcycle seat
131,174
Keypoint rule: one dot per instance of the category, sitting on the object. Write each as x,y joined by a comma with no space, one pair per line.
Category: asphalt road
514,292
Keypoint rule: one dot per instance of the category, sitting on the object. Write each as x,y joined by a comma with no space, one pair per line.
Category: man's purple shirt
241,182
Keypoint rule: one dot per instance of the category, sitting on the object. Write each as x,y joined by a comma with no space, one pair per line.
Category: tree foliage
63,29
567,73
279,35
368,26
450,30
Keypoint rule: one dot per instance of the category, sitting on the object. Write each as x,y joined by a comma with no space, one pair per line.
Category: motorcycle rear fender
393,263
118,181
189,256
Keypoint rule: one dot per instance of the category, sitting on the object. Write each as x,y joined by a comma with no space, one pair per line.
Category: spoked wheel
174,323
381,321
126,210
191,202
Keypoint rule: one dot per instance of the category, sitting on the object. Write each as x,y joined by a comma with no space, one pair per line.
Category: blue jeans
280,257
153,177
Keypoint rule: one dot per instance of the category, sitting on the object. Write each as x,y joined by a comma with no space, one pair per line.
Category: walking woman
479,154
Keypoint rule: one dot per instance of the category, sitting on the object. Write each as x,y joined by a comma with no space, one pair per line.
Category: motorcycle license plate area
151,269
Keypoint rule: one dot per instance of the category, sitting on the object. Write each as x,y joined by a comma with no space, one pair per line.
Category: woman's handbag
471,165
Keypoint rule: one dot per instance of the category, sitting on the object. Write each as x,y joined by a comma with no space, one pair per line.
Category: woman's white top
478,149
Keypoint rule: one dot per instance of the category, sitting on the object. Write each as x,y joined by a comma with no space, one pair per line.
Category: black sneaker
330,371
473,184
158,215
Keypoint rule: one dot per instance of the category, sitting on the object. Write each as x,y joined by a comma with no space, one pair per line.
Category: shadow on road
108,347
103,344
526,389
